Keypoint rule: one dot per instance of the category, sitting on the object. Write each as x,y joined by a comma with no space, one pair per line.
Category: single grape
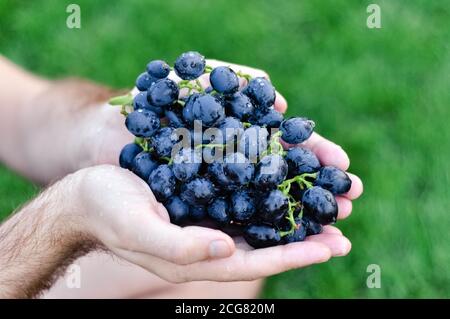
142,123
261,91
320,205
162,182
334,180
190,65
163,92
143,165
224,80
158,69
296,130
128,154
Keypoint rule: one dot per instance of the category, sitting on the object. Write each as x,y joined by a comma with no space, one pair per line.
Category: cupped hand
118,210
176,254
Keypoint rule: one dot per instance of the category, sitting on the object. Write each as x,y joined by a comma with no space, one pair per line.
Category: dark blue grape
243,206
163,92
177,209
128,154
158,69
219,211
261,91
175,116
273,206
269,118
312,228
261,236
296,130
240,106
188,114
299,234
199,191
208,109
224,80
253,142
142,123
215,170
162,182
320,205
238,169
190,65
144,81
301,160
140,102
270,172
197,213
186,164
334,180
143,165
231,129
164,140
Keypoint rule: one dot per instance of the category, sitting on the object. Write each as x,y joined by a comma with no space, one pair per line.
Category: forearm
45,125
17,87
39,241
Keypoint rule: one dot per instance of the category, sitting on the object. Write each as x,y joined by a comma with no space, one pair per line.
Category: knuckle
178,275
181,255
185,251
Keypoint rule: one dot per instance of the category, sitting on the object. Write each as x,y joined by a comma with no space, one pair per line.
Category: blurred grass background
383,94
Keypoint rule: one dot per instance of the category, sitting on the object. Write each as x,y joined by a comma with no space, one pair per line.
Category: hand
120,211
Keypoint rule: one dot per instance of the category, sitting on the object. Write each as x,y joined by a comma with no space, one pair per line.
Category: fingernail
219,249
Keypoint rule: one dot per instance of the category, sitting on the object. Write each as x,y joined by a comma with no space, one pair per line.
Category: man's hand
109,207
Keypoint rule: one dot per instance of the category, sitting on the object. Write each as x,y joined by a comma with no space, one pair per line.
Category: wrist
40,240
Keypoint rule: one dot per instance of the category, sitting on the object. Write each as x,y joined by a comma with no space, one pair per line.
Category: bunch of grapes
217,153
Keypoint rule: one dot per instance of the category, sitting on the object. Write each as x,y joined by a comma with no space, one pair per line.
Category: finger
356,189
328,229
161,211
173,243
280,103
242,265
328,152
251,265
338,244
344,207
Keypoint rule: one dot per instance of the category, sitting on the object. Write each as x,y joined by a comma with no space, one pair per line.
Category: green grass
382,94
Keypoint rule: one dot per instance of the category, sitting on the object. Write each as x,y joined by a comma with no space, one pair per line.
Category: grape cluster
216,154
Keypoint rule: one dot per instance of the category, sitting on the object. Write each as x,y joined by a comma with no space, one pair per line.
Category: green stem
285,187
143,143
248,77
169,160
123,110
291,218
275,146
199,85
208,69
190,86
246,124
126,99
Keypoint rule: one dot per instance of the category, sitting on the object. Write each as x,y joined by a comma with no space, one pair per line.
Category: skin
107,220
